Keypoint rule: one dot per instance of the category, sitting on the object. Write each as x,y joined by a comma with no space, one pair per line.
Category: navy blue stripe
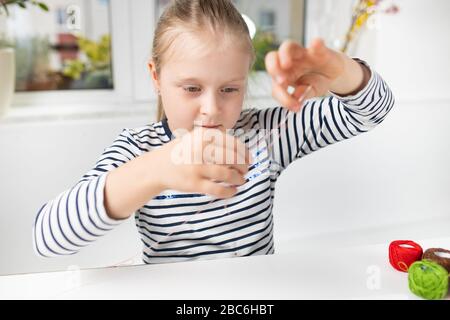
311,123
247,118
211,244
53,235
259,163
123,148
150,130
96,207
68,219
297,143
88,211
305,138
384,102
209,227
152,139
60,227
113,152
197,203
255,121
90,176
43,233
79,216
208,210
145,234
131,141
354,126
334,118
329,130
271,247
179,196
210,252
321,121
389,107
98,164
350,112
260,248
220,233
35,230
280,139
344,121
288,138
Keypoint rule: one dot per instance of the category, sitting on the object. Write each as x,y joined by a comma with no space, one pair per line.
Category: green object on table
428,280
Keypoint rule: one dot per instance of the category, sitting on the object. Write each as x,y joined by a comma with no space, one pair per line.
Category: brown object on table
433,255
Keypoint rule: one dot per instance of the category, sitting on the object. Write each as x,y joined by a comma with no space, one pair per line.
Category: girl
210,207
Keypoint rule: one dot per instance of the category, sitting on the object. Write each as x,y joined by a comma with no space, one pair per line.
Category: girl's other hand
298,67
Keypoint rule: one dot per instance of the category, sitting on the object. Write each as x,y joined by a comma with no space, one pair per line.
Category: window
130,26
275,21
66,48
272,21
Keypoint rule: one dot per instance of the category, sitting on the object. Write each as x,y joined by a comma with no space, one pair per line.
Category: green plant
94,69
98,57
32,55
362,11
22,4
263,42
5,41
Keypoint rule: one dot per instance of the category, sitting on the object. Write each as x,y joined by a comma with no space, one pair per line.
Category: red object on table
403,253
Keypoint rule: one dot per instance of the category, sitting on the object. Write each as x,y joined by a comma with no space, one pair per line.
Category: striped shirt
176,226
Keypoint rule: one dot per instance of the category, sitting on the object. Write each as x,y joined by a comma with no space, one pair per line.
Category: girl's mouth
208,126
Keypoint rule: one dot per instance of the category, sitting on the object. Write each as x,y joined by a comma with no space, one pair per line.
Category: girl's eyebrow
199,80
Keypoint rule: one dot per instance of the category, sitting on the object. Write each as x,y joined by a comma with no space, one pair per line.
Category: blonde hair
196,15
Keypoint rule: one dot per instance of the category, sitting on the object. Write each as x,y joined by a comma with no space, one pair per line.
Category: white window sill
67,112
40,113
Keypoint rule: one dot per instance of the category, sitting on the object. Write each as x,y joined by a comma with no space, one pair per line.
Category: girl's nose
210,106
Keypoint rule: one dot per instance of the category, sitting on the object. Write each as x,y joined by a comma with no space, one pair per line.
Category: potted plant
260,82
7,54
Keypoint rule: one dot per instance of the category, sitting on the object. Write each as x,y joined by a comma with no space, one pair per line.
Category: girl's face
203,81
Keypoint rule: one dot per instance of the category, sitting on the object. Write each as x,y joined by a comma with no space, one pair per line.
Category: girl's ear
154,75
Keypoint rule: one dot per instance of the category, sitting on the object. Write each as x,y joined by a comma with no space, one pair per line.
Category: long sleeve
324,121
77,217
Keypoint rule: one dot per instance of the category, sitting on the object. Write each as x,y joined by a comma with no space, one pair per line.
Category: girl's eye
192,89
230,90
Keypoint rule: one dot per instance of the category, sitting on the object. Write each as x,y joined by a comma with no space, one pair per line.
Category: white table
346,272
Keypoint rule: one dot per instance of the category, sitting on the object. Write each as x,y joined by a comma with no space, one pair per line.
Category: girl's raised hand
309,71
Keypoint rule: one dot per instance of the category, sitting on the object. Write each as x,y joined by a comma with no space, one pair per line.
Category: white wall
411,49
38,161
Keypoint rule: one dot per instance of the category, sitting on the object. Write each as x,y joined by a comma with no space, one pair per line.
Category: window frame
121,66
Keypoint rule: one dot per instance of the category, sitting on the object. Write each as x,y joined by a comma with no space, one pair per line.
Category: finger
222,173
235,151
215,189
273,67
311,58
318,82
290,51
229,157
222,155
302,93
284,98
317,48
